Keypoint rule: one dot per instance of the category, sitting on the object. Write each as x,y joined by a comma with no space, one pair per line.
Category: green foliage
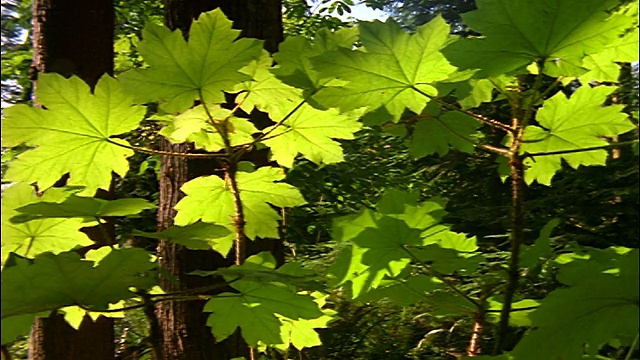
52,281
182,72
397,251
572,124
395,71
570,321
31,238
255,305
519,33
77,126
257,190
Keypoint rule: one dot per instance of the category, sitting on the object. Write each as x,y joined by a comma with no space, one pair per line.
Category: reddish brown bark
73,38
185,335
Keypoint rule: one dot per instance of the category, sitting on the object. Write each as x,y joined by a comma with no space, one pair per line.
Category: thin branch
483,119
485,147
560,152
167,153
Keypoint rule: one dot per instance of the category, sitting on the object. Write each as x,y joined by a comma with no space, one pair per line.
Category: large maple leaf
74,134
209,199
394,70
31,238
572,124
53,281
520,32
181,72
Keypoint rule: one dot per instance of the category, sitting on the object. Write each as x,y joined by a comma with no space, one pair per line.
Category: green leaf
73,135
521,32
182,72
436,134
405,292
54,281
530,256
301,333
516,317
74,315
602,66
265,92
257,189
34,237
194,125
395,70
255,307
310,132
594,312
571,124
377,252
81,207
575,269
293,58
197,236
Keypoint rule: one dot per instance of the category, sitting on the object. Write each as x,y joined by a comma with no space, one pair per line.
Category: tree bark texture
73,37
185,335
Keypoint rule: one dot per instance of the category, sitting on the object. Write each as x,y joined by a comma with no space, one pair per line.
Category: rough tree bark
184,334
73,38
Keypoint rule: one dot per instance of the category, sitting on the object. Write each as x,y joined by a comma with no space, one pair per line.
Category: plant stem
632,348
230,171
487,148
519,120
560,152
166,153
483,119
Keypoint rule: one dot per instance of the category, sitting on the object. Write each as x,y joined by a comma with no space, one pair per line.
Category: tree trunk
73,37
185,335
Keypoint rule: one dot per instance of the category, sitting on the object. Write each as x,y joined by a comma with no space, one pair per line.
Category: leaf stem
571,151
485,147
444,280
263,136
166,153
485,120
632,348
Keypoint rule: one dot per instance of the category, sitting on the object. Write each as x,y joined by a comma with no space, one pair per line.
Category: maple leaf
266,92
571,124
567,319
310,132
82,207
521,32
394,70
195,125
255,307
31,238
301,332
602,66
209,199
53,281
198,236
437,132
73,135
293,58
202,68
